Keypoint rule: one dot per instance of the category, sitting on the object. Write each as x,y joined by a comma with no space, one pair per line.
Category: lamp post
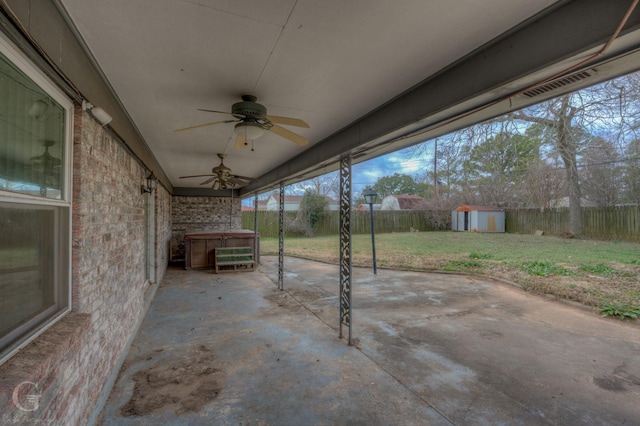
370,196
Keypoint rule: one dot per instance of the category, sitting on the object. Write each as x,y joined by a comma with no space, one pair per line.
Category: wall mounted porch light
97,112
151,183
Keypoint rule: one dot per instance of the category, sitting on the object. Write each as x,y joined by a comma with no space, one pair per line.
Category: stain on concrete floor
180,384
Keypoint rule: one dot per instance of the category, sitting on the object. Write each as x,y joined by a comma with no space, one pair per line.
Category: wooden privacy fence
385,221
608,223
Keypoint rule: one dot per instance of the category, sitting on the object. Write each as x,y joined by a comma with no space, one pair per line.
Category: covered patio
113,113
431,349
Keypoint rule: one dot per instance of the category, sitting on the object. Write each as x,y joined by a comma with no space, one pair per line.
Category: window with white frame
35,201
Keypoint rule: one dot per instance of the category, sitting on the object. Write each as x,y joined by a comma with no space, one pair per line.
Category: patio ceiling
361,73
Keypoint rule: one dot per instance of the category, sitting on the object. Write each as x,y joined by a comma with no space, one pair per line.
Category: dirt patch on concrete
181,385
284,300
619,381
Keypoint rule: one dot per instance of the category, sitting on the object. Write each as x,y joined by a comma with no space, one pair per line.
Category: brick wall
71,362
189,214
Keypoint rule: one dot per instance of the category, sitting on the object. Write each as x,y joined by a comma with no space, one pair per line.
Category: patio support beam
281,239
345,245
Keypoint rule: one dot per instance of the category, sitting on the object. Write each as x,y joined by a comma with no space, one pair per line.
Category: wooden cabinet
200,246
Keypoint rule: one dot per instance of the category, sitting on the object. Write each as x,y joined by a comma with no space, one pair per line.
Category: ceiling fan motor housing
221,168
249,109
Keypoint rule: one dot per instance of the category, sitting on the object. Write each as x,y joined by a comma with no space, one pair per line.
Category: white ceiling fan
252,122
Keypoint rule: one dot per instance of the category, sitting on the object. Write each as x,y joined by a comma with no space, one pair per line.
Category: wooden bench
230,259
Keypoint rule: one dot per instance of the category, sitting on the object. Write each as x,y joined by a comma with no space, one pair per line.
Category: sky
368,172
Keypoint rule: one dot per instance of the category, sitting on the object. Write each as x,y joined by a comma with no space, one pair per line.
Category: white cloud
401,162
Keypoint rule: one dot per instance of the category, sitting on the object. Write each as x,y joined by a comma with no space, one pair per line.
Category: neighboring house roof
291,198
468,208
408,202
262,205
365,207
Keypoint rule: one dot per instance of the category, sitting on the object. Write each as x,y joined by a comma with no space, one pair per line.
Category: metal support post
345,245
281,240
256,240
373,241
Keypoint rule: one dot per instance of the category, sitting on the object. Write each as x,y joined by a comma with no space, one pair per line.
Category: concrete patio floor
230,349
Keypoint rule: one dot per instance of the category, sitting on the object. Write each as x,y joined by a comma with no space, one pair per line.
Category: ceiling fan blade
209,180
288,134
203,125
245,178
288,121
240,142
237,182
183,177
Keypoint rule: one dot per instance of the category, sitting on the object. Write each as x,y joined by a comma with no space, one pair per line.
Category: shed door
491,223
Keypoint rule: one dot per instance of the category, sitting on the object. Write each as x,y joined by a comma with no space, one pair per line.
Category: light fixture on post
97,112
152,182
371,196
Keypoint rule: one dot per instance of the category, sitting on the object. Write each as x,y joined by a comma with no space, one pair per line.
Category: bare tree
631,167
571,129
543,185
558,115
571,120
602,173
327,185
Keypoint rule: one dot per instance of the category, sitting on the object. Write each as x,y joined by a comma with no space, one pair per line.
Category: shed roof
468,208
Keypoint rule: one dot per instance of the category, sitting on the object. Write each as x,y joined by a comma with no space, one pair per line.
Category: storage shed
478,219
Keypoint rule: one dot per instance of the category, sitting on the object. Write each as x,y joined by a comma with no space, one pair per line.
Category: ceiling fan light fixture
249,130
38,109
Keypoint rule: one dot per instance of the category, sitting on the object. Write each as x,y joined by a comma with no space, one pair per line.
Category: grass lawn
18,258
590,272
